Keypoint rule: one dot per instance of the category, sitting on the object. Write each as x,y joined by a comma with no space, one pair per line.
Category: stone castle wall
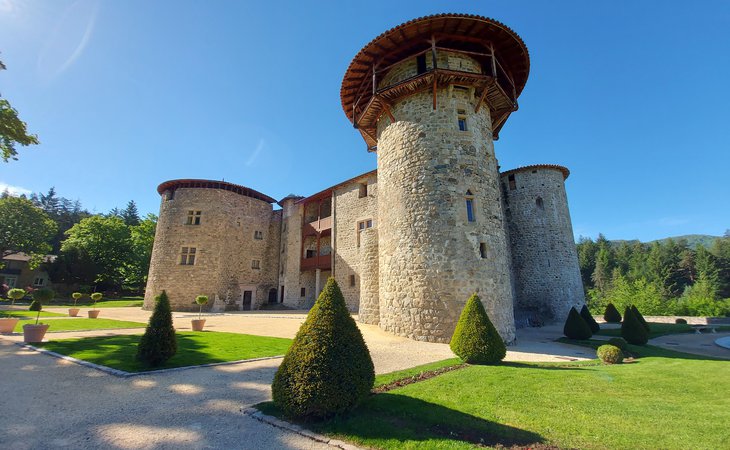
349,209
225,246
545,262
369,311
291,247
431,258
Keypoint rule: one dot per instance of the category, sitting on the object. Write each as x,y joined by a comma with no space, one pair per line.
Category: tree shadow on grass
643,351
386,419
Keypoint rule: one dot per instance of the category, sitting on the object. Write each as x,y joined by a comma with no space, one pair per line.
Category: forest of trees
661,278
95,252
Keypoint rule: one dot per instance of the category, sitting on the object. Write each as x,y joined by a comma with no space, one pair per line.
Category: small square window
512,182
193,218
258,235
303,292
363,190
187,256
255,264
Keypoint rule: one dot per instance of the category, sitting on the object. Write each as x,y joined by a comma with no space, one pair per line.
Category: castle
408,243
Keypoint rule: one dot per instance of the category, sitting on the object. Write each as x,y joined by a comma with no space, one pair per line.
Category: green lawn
657,329
81,324
28,314
193,348
116,303
663,400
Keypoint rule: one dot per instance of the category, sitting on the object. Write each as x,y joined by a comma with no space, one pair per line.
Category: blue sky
631,96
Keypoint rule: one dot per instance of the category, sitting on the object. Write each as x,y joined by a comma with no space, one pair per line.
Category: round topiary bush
16,294
610,354
632,330
588,317
328,369
158,344
681,321
611,315
576,327
475,339
639,316
619,342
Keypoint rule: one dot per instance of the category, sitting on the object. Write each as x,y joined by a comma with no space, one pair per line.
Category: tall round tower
544,259
429,96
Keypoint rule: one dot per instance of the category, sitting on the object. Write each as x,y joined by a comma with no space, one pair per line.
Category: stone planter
73,312
34,333
198,324
7,324
93,314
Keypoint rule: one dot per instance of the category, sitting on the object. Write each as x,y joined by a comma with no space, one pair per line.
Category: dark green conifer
576,327
328,369
475,339
588,317
158,344
632,330
612,315
640,316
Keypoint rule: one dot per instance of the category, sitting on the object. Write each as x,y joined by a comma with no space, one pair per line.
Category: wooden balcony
318,226
316,262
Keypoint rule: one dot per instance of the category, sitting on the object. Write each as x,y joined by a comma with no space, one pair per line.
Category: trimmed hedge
576,327
611,315
639,316
586,315
158,344
619,342
328,369
475,340
632,330
610,354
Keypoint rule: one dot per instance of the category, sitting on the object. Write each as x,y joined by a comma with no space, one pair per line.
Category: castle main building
408,243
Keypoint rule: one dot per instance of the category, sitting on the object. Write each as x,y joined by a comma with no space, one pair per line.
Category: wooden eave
564,170
213,184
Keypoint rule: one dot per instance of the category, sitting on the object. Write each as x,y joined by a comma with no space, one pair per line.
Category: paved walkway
699,344
52,403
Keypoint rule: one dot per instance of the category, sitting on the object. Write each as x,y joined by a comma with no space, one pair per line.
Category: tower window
258,235
170,195
512,182
255,264
363,190
303,292
193,218
470,216
483,250
539,203
421,63
352,280
462,119
187,256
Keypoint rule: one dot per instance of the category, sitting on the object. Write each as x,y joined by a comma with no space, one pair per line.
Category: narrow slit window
421,63
303,292
483,250
470,216
462,120
539,203
512,182
352,280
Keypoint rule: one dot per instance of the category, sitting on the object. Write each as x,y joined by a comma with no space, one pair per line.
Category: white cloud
251,159
14,190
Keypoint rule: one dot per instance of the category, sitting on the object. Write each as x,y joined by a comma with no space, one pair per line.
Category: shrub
328,369
611,315
576,327
201,300
158,344
681,321
16,294
619,342
96,296
40,296
639,316
610,354
76,296
632,330
586,315
475,339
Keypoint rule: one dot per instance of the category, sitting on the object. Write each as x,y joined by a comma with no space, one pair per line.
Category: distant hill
693,240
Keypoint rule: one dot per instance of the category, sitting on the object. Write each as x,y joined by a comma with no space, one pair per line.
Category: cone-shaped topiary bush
681,321
611,315
610,354
475,339
639,316
328,369
158,344
632,330
576,327
586,315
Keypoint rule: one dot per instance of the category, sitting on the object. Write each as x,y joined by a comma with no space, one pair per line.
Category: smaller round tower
544,258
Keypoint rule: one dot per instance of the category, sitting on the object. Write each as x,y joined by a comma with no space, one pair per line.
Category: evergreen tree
158,344
640,318
576,327
130,215
602,274
328,369
632,330
586,315
612,315
475,339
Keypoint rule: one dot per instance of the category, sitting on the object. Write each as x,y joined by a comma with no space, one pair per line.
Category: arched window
470,214
539,203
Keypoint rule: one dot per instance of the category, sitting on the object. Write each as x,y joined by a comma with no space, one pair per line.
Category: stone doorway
247,297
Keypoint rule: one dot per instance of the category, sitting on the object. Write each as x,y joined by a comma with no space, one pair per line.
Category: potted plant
199,323
35,332
94,313
73,312
7,324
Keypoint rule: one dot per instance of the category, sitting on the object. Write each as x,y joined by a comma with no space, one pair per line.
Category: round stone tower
545,262
429,96
217,239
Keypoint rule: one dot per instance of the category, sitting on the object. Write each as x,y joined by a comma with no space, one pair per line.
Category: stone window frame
193,217
188,255
39,281
366,223
470,206
256,264
258,235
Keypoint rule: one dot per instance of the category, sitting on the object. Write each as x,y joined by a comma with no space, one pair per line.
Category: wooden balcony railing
316,262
